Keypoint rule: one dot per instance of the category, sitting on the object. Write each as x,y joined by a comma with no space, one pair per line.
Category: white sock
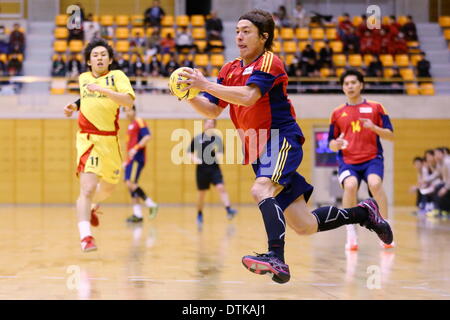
137,210
351,233
85,229
149,202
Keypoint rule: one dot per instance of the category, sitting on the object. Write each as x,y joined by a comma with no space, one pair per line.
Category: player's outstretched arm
204,107
238,95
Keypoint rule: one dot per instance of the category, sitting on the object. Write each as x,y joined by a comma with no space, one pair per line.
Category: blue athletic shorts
361,170
137,172
279,162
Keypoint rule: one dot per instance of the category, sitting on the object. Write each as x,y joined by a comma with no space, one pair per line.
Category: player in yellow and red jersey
102,92
355,131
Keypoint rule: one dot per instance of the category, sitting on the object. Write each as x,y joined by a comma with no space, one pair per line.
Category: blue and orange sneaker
375,221
268,263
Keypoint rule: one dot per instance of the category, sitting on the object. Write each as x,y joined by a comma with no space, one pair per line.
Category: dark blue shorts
279,162
137,172
361,170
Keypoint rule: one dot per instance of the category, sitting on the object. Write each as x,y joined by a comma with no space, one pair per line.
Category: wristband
78,103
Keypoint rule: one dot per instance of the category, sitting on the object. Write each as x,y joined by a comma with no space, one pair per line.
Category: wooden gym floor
169,258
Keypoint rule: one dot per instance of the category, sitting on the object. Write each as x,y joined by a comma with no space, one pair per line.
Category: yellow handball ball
175,88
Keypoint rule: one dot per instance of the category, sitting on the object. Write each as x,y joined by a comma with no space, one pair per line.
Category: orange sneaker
94,218
88,244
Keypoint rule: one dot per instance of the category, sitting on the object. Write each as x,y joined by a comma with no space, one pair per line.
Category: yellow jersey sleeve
122,83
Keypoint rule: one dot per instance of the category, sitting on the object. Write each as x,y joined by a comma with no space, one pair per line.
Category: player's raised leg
349,197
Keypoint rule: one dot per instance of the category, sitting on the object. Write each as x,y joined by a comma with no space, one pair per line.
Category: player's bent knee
88,190
262,190
351,186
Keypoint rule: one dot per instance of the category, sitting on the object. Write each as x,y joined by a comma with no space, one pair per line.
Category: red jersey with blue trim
363,144
273,110
136,131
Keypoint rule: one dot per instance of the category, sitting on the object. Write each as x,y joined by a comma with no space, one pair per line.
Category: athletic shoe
268,263
375,221
387,246
153,211
231,213
94,218
134,219
88,244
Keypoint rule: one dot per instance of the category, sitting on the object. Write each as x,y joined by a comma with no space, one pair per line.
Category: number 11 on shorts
93,161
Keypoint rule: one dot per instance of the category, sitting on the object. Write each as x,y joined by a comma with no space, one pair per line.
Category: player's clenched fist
69,109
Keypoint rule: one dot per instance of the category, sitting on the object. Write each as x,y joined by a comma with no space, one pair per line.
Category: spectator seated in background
326,56
138,43
91,28
187,63
154,41
74,66
423,67
309,62
14,65
281,18
300,16
398,45
138,67
122,64
58,67
295,68
385,42
4,41
214,27
155,67
16,40
409,29
344,26
150,52
154,15
362,27
184,40
171,65
351,41
167,44
375,68
370,44
392,27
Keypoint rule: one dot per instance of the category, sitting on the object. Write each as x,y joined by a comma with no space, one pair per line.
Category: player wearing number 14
99,162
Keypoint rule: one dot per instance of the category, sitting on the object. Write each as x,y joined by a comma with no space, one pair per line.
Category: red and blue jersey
273,110
136,131
363,144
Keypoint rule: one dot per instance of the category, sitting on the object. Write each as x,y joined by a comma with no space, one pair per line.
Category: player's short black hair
351,72
429,151
97,42
263,20
418,159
